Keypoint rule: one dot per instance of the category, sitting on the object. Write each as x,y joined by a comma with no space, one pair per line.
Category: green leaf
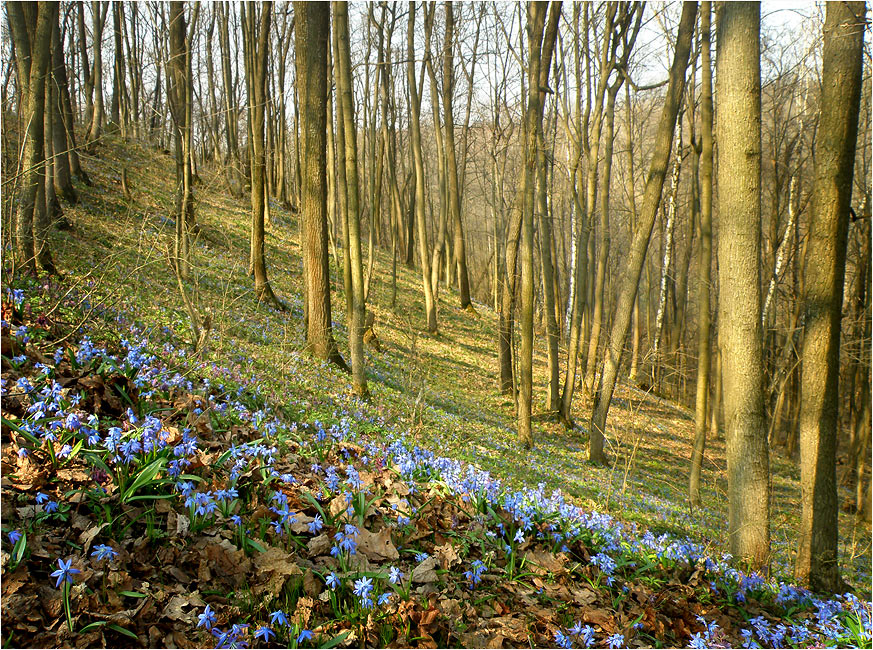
147,497
18,549
121,630
92,626
9,423
76,449
335,641
132,594
145,477
98,462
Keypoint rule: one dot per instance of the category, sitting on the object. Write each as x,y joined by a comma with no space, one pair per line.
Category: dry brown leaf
303,612
174,610
377,546
318,545
544,562
447,556
273,568
425,572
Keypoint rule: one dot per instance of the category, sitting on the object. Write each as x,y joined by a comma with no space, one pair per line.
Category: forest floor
490,558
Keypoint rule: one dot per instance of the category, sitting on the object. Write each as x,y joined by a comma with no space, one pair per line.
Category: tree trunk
256,40
31,25
666,259
52,203
536,15
60,146
343,67
580,293
66,107
177,95
842,63
418,164
98,9
454,190
627,288
311,34
704,336
738,81
540,47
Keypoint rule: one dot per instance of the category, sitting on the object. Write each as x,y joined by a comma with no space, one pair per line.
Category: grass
441,389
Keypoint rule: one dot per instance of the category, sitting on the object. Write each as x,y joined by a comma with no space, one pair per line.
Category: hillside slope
441,389
436,392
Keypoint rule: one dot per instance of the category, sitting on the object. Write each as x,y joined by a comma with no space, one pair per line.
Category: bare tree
629,282
842,63
738,86
256,43
31,27
704,336
343,68
418,162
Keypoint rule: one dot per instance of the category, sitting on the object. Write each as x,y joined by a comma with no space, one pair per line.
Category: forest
436,324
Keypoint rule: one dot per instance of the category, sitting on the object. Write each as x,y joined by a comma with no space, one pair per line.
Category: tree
454,190
233,159
540,46
31,26
311,36
618,20
418,166
59,73
544,219
57,138
179,99
256,42
118,107
842,63
343,68
738,131
98,12
704,336
629,282
579,264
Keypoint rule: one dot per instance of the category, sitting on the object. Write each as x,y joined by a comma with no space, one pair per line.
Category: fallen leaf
447,556
425,572
273,568
377,547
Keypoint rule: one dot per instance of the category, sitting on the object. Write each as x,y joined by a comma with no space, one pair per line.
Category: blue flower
41,497
615,641
587,636
264,633
206,619
316,524
64,572
104,552
698,642
332,581
519,536
562,640
748,639
383,598
304,635
14,536
604,562
278,618
363,587
394,575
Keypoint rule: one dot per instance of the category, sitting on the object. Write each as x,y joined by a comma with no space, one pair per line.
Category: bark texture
738,76
629,282
842,63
